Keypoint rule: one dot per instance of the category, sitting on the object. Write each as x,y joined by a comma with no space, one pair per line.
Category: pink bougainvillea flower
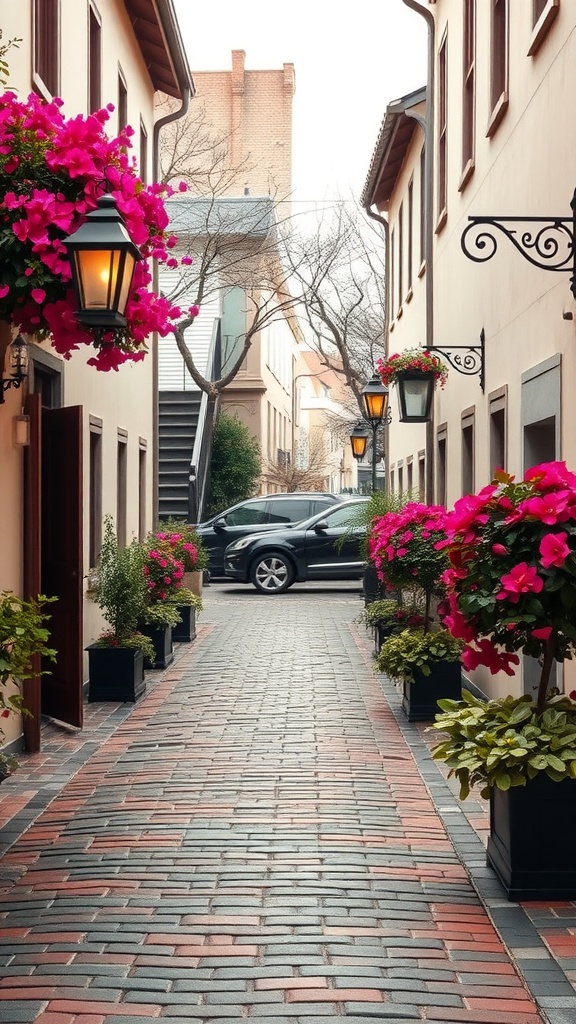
551,508
499,549
554,549
522,579
550,474
4,290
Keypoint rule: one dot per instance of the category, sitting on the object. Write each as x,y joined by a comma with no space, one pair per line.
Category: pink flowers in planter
52,172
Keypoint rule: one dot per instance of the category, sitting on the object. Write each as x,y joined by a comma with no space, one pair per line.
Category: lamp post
375,397
103,258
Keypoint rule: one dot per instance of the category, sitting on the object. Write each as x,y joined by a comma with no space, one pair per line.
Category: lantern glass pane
375,405
358,446
126,274
97,271
416,397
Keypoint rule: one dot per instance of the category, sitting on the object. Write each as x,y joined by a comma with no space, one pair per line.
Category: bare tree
306,467
340,273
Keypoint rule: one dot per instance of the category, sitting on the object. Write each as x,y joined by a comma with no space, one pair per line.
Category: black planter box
116,673
420,698
161,637
185,631
532,842
374,589
381,633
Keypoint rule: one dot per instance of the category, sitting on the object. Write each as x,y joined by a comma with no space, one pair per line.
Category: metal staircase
178,423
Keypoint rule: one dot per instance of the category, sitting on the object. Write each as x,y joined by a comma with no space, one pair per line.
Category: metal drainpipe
167,119
429,226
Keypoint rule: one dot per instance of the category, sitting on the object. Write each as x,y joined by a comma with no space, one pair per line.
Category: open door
32,516
61,562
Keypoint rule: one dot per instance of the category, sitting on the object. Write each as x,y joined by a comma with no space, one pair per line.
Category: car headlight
237,545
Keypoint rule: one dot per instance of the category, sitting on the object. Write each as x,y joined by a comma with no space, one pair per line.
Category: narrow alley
261,836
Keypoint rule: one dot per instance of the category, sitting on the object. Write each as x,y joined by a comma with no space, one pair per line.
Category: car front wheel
272,574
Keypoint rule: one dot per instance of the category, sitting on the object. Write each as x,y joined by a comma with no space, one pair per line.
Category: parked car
324,547
266,512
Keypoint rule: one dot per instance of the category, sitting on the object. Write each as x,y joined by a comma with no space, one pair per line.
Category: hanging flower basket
414,360
52,172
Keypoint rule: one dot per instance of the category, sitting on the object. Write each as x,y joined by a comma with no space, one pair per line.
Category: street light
102,258
375,398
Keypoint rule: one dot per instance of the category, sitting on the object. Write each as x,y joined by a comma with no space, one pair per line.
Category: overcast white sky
350,62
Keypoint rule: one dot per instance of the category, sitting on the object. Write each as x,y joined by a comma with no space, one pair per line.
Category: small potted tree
116,658
182,541
403,547
511,587
163,574
24,637
386,617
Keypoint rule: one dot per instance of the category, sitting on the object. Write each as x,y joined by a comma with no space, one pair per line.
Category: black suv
256,515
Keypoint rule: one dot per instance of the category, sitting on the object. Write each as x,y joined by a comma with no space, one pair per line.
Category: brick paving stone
255,838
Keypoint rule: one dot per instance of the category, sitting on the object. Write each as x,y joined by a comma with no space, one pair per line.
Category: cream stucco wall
122,400
525,167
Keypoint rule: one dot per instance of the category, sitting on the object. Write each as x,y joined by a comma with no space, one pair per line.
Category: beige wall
120,400
525,167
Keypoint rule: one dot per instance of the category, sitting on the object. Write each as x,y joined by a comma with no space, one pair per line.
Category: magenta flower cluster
179,545
511,580
52,171
402,546
163,573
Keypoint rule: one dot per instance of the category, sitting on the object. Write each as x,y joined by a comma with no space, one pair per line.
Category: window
401,478
497,406
400,255
543,14
289,511
468,452
143,153
121,487
441,480
392,296
142,475
423,206
468,91
122,101
94,60
95,496
410,239
409,477
421,476
46,33
498,64
248,515
442,181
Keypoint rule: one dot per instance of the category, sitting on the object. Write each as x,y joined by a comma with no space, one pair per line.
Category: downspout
186,85
429,225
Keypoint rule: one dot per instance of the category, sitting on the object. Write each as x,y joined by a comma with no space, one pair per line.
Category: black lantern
18,359
375,396
359,441
102,258
415,394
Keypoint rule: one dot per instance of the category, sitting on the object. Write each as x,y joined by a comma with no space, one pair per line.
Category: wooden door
32,516
62,518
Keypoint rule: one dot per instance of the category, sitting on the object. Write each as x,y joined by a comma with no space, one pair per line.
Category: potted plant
427,664
404,548
378,505
116,658
182,541
387,616
511,587
417,372
163,573
188,606
24,638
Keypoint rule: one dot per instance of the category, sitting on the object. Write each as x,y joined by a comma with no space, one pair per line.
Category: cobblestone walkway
255,839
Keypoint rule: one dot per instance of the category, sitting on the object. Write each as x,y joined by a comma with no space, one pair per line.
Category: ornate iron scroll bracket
546,242
466,359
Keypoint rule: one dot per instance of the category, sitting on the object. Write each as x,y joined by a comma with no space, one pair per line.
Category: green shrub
414,649
235,466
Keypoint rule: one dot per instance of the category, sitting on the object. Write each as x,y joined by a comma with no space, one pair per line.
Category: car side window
288,511
344,516
319,506
249,515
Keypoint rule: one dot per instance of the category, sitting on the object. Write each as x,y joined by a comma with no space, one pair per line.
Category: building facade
492,137
91,435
